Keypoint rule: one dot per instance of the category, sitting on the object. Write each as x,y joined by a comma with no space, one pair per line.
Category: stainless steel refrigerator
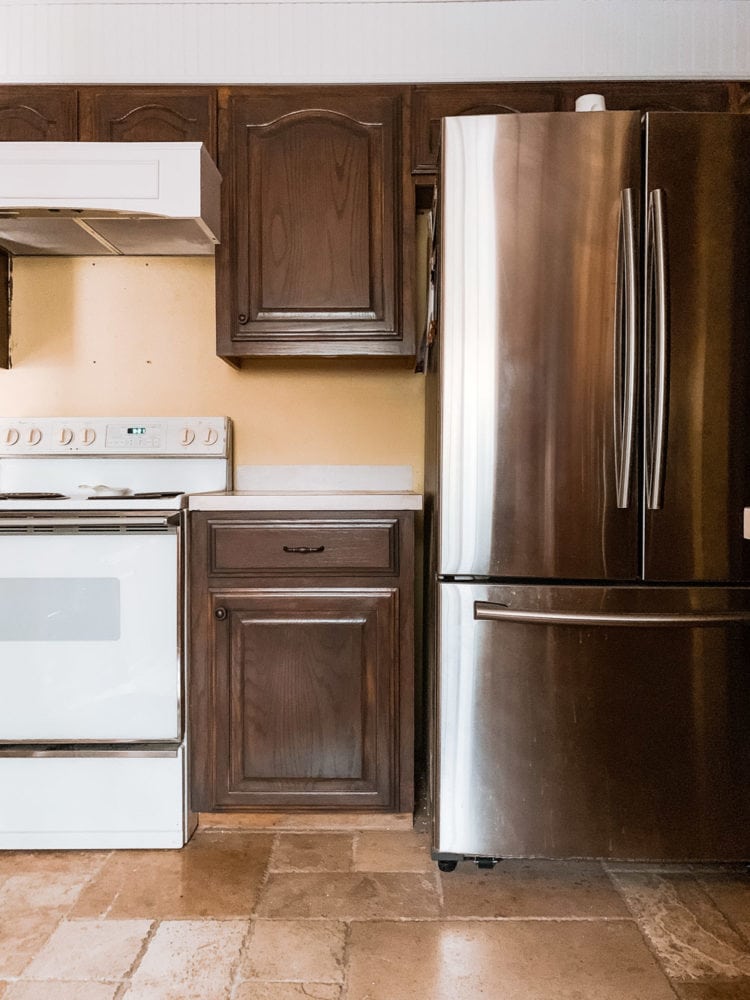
588,467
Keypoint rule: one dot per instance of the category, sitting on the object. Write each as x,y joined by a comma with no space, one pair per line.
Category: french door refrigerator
590,396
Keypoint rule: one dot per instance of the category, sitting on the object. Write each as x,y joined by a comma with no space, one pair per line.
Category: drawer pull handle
306,549
220,613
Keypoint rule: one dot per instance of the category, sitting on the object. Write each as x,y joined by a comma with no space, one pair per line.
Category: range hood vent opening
107,198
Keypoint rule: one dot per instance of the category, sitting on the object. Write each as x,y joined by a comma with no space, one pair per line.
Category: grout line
349,919
234,980
705,889
344,986
355,850
128,977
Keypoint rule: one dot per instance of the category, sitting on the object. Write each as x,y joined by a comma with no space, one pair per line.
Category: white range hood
104,198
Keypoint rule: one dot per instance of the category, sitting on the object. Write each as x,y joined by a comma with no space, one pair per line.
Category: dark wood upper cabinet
652,95
149,114
436,101
739,97
38,114
315,215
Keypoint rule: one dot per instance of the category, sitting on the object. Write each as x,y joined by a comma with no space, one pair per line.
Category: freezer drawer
593,722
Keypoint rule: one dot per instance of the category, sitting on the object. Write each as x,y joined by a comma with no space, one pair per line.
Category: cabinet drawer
298,546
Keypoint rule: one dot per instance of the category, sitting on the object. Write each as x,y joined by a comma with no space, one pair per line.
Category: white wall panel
297,41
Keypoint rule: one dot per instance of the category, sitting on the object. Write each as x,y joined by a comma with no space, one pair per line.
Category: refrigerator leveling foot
448,862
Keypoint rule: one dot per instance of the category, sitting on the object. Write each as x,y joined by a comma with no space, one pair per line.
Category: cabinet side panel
200,675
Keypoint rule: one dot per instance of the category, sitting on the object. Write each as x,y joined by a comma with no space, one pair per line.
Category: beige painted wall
105,336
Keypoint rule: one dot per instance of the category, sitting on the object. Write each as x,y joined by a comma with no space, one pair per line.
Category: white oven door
89,631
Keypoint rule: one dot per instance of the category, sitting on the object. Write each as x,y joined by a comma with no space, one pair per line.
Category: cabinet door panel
296,695
314,255
37,114
313,210
305,681
153,114
431,103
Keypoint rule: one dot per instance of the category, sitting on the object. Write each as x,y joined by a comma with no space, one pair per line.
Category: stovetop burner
32,496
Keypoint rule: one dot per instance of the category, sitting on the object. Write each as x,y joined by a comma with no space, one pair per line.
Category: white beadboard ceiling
339,41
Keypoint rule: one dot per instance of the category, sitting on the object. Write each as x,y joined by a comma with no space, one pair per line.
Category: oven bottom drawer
73,802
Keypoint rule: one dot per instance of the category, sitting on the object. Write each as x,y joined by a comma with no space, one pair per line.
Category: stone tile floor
363,915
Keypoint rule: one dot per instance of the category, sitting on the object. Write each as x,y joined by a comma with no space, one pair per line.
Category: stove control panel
159,436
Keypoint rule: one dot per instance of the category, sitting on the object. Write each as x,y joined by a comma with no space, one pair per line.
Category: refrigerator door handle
626,332
657,350
485,611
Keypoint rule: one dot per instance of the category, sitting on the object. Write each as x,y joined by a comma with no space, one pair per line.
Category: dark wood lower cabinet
301,687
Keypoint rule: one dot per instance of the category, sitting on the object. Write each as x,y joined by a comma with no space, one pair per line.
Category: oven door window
89,640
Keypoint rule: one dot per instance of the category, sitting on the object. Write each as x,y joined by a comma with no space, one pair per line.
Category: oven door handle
83,525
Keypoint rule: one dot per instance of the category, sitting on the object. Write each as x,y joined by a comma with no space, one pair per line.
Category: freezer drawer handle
657,350
484,611
626,319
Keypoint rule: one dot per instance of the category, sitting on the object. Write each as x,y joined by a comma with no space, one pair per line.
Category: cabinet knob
220,613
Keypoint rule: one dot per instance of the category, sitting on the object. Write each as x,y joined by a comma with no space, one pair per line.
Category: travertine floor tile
78,865
507,960
376,851
21,937
286,991
730,891
356,896
295,951
189,960
689,934
735,989
312,852
32,903
61,991
531,889
215,875
41,890
89,949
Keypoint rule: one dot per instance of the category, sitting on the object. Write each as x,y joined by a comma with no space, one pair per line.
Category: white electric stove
92,597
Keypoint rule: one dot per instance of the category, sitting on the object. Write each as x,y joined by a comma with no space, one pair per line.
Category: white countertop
305,500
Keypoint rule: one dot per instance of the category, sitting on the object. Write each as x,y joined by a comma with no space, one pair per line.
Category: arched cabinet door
38,114
149,114
433,102
312,262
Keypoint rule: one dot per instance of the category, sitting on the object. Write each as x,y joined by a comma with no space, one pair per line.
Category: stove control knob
11,436
88,435
34,436
188,436
212,436
65,435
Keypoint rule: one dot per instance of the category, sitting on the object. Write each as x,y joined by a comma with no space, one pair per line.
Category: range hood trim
136,187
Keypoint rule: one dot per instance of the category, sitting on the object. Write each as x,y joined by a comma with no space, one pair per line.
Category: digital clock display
136,430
